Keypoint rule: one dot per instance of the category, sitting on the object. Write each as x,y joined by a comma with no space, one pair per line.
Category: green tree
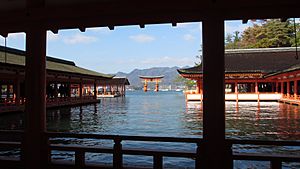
181,80
264,34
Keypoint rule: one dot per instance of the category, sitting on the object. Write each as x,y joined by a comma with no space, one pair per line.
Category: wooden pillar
17,89
156,86
256,87
198,87
282,88
295,89
256,91
236,91
288,89
55,90
104,89
80,89
35,144
124,89
95,90
277,87
214,151
145,86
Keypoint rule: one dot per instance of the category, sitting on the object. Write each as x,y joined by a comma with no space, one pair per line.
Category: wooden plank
266,157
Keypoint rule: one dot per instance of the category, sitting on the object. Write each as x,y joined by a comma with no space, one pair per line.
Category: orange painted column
145,85
236,91
198,87
201,89
256,87
256,91
104,89
277,85
156,86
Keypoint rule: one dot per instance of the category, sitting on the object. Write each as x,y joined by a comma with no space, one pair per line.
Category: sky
127,47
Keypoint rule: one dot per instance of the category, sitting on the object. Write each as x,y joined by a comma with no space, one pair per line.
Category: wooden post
35,143
17,89
214,151
256,91
95,90
198,86
156,86
288,89
282,88
236,91
295,89
80,90
275,164
145,86
201,89
104,89
79,159
277,87
117,155
158,161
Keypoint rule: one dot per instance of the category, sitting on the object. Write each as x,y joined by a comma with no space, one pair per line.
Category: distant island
168,82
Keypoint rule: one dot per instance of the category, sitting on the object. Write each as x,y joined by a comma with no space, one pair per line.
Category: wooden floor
51,103
290,101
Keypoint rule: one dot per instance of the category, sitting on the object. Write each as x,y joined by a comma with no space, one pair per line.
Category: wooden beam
135,12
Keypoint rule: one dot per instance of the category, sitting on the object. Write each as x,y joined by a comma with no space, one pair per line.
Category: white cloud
142,38
51,36
188,37
79,38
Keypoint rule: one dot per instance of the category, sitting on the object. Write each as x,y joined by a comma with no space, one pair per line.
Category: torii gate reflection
155,79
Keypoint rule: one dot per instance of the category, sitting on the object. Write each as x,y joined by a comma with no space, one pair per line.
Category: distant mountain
170,73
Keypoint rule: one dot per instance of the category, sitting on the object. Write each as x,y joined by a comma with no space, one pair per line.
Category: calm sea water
167,114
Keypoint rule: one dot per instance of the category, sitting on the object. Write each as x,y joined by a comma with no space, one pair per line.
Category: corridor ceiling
16,15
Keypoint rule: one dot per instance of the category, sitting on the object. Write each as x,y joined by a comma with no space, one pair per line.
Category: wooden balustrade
118,151
51,102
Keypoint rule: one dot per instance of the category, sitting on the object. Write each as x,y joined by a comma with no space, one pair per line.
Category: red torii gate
155,79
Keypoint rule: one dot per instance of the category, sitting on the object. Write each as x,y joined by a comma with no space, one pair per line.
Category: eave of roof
17,57
264,60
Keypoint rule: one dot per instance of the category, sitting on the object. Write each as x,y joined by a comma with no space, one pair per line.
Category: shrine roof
17,57
264,60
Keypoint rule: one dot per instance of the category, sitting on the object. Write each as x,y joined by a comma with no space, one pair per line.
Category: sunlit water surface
167,114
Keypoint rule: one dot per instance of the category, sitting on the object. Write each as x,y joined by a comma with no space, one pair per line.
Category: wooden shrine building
114,87
155,79
253,75
67,84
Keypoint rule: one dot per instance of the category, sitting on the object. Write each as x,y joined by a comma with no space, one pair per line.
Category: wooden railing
11,106
118,151
275,160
